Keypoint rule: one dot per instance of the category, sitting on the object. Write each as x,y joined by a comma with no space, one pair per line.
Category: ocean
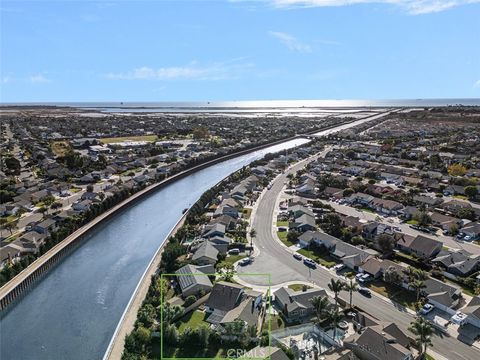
254,106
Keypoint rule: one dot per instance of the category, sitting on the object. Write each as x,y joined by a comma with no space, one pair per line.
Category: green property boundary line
269,277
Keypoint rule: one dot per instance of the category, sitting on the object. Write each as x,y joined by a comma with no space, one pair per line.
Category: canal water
72,313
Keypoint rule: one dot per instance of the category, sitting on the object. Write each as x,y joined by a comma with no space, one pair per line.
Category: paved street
277,260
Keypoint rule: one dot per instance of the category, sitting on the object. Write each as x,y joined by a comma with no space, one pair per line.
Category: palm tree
334,318
424,331
418,285
351,286
320,304
336,286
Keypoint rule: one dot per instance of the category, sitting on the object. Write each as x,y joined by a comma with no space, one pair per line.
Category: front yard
282,235
400,295
323,259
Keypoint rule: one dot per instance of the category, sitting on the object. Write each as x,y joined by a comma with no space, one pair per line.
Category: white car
364,278
467,238
459,318
427,308
339,267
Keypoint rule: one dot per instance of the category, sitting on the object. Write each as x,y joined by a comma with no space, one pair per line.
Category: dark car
365,292
310,263
298,256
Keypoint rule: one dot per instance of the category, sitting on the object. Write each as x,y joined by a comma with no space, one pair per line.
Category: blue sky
239,50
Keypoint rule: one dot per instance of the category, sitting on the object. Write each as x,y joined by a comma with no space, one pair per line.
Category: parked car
310,263
298,256
365,292
468,238
364,278
234,251
426,309
460,236
459,318
339,267
245,261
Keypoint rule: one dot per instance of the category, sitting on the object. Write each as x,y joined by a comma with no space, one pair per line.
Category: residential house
303,223
299,210
318,237
205,254
444,222
442,295
376,343
46,226
472,310
421,246
472,230
351,256
459,263
194,280
227,207
224,297
296,305
427,201
388,207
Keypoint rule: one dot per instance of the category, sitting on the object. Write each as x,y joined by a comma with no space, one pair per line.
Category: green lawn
276,322
298,287
412,222
246,213
282,223
323,259
462,197
400,295
231,259
192,320
113,140
282,235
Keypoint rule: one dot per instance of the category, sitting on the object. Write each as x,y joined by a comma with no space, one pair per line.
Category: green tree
320,305
334,318
423,330
422,218
417,285
336,286
386,244
471,191
391,276
351,287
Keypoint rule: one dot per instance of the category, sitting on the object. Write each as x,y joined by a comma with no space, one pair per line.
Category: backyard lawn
282,223
192,320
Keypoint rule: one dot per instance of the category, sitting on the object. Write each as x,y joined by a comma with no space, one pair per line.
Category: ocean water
255,106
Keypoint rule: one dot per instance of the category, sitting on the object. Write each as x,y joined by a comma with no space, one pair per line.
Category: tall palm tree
418,285
351,286
424,331
336,286
334,318
320,304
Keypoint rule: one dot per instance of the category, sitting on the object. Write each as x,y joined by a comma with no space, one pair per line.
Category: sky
64,51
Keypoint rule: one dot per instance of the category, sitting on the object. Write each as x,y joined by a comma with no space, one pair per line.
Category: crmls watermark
235,353
256,353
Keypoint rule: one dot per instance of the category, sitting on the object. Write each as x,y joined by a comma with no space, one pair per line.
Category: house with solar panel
229,302
194,280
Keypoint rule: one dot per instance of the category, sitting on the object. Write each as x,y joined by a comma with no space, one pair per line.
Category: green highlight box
268,315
